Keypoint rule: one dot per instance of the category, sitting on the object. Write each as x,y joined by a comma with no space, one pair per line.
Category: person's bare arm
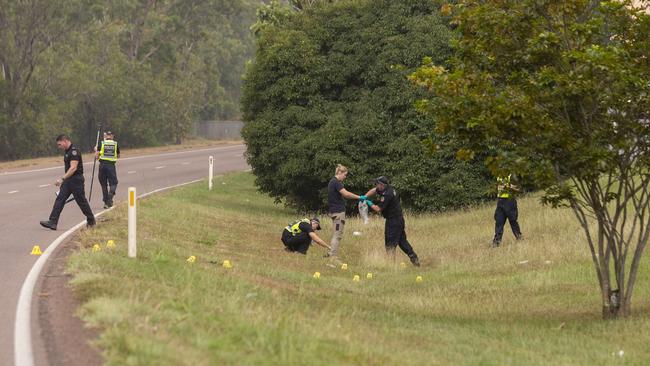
319,241
69,173
349,195
375,208
371,192
514,187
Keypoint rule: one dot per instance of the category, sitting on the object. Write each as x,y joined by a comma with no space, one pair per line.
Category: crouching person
298,235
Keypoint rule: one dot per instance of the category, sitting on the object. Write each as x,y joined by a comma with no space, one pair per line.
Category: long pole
92,179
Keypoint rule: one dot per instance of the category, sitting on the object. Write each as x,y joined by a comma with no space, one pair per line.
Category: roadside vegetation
142,69
527,303
328,85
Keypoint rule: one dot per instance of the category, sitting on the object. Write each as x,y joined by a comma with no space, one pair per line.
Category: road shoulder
60,337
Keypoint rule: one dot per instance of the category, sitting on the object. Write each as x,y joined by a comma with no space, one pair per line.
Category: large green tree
559,92
328,85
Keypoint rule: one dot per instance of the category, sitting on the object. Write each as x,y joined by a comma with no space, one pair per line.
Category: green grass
476,305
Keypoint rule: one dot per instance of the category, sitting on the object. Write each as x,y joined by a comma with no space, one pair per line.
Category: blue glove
369,203
362,198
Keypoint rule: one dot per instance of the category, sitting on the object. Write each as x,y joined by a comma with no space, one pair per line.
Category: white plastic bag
363,211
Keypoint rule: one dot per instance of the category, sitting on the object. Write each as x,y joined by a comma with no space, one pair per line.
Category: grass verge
533,302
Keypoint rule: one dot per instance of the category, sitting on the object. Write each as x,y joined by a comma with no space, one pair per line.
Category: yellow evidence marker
110,244
227,264
344,266
316,275
96,248
356,278
369,276
191,259
418,279
36,250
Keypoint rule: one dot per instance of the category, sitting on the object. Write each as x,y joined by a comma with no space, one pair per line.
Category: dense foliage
144,68
559,92
329,85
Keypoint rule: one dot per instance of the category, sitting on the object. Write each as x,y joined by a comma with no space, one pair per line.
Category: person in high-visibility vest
506,209
107,153
298,235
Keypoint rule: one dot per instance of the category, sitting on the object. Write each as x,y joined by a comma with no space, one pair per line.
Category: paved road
26,197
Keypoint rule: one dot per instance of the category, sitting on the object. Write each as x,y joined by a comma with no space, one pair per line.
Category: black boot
415,261
48,224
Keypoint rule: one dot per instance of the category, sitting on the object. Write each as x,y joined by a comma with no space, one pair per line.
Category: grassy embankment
533,302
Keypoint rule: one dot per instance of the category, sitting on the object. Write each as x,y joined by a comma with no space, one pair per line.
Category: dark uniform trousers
108,180
299,243
75,186
395,235
506,209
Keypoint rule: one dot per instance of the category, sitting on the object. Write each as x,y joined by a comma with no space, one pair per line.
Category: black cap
317,220
382,180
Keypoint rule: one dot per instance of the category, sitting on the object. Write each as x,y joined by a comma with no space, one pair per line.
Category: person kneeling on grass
298,235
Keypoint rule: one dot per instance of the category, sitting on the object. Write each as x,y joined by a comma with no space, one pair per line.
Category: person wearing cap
298,235
506,209
71,183
336,195
395,228
107,153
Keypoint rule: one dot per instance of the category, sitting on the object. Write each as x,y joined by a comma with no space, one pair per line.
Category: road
26,197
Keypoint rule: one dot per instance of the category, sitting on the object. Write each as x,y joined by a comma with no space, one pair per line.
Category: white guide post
132,222
210,172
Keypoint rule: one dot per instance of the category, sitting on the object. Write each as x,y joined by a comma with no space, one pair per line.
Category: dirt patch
59,336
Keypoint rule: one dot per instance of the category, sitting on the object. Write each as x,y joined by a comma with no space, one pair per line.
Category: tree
27,30
559,92
328,85
146,69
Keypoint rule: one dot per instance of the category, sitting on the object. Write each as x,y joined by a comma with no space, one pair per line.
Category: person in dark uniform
506,209
72,182
394,230
107,153
298,235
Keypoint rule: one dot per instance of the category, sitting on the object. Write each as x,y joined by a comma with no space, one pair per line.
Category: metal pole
132,222
210,172
92,178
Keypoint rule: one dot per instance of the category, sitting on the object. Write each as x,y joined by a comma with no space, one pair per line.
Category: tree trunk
613,308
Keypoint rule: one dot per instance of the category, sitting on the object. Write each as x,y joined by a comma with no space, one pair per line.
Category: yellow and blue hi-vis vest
108,152
294,228
505,191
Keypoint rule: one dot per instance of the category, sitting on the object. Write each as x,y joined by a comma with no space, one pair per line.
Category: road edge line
23,346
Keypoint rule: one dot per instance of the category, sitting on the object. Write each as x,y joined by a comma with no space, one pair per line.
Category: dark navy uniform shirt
73,154
335,200
389,203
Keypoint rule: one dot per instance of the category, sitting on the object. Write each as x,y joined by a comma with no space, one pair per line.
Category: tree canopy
328,85
559,93
145,69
